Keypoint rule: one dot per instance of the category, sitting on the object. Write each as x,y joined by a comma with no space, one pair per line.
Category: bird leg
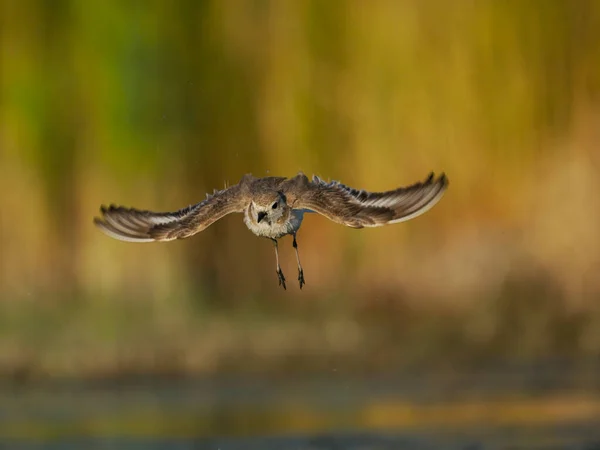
300,271
279,272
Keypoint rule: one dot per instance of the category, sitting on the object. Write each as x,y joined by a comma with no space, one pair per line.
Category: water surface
545,406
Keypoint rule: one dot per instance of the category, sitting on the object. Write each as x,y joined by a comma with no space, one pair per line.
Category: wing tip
438,185
442,179
110,230
98,221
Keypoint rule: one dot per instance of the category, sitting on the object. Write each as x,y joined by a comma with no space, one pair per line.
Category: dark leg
279,272
300,271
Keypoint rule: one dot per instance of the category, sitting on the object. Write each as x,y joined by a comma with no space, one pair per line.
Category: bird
274,207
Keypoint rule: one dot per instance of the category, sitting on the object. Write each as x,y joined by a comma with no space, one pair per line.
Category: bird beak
261,216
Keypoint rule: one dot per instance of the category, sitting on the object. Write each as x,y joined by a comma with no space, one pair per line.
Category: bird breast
274,230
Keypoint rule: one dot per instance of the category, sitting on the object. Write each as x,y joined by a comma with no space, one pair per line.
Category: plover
274,207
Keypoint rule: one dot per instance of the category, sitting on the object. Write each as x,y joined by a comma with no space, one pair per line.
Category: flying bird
274,207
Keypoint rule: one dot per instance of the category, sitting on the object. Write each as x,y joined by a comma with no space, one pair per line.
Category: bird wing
133,225
359,208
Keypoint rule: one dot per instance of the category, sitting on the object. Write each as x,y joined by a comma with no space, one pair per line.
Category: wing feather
359,208
134,225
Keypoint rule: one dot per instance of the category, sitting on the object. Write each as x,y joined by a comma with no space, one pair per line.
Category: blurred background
494,293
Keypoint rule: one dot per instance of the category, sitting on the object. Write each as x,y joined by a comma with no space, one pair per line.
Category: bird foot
281,279
301,278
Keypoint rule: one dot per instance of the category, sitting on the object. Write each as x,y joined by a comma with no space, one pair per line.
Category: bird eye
274,205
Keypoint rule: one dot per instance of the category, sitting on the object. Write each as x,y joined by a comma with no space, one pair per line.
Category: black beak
261,216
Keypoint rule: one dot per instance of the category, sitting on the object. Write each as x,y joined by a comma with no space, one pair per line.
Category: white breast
275,231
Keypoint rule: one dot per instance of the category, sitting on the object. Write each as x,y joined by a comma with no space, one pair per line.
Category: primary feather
133,225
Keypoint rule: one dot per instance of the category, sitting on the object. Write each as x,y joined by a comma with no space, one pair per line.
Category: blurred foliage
152,104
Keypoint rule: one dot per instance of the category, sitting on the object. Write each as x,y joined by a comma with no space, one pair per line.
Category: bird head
269,207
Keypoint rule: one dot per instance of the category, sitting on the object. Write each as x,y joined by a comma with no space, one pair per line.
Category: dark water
552,406
504,439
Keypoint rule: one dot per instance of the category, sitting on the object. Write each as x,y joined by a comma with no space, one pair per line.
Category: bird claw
301,278
281,279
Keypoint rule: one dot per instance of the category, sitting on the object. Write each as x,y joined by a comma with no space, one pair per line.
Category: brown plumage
274,207
358,209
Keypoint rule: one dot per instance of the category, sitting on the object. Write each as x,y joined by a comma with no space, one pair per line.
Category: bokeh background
153,104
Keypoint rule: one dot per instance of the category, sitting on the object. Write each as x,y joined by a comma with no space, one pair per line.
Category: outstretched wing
358,209
133,225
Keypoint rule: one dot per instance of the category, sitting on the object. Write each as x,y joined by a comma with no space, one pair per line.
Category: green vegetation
152,104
